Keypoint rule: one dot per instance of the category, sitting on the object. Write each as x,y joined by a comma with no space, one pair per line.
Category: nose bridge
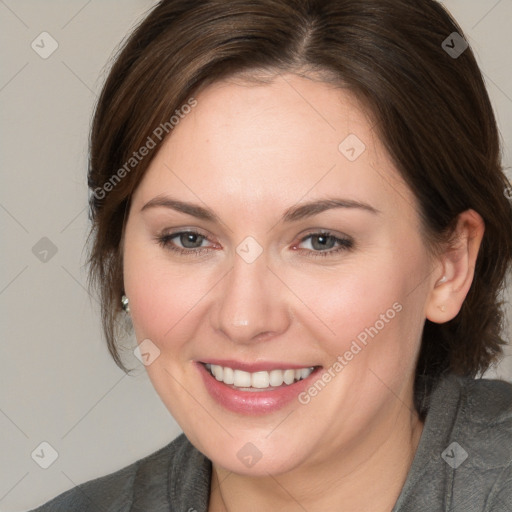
251,302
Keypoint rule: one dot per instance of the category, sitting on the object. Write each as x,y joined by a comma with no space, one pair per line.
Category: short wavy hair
430,106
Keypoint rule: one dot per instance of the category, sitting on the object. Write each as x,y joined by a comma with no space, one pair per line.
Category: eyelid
178,231
168,234
323,231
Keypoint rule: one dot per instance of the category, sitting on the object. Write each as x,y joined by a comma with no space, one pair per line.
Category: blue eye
322,244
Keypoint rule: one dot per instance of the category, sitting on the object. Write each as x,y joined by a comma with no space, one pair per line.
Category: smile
247,381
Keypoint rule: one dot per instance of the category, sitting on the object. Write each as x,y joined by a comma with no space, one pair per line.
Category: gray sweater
463,463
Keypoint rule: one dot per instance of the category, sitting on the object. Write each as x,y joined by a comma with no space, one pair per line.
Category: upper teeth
261,380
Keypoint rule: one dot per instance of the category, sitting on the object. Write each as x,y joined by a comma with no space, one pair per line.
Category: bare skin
249,153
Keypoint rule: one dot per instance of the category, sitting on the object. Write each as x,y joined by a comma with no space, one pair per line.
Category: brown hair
432,111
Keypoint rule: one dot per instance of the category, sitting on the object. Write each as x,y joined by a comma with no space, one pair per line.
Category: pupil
189,238
322,239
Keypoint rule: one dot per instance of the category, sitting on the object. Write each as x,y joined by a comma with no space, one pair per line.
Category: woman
300,206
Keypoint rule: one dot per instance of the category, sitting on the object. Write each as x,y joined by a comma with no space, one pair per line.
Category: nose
252,303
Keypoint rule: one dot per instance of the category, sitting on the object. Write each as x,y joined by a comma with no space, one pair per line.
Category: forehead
291,116
274,143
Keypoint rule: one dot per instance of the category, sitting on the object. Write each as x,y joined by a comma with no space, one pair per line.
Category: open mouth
258,381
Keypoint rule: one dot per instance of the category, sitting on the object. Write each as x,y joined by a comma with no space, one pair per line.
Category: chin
258,457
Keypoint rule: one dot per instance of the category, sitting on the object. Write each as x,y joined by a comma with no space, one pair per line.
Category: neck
367,476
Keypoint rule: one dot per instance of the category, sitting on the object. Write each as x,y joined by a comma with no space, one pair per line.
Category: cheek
345,301
165,298
364,311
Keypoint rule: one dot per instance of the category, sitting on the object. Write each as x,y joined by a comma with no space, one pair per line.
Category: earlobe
458,263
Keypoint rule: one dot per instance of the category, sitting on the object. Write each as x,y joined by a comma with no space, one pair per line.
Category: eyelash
345,244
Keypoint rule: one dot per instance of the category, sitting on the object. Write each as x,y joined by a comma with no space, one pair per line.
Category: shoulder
120,490
473,405
484,420
481,440
464,457
488,401
486,427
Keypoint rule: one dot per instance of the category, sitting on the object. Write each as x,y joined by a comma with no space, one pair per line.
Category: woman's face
266,282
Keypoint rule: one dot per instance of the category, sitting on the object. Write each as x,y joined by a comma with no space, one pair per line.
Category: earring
125,303
442,308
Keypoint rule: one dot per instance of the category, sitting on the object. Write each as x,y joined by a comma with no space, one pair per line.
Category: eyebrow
292,214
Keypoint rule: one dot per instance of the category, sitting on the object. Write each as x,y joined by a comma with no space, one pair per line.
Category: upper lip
256,366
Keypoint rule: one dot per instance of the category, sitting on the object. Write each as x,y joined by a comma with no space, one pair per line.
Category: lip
258,402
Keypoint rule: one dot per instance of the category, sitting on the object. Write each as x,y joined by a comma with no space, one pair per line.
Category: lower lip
253,402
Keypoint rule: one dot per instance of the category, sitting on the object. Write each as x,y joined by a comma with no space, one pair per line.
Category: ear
451,283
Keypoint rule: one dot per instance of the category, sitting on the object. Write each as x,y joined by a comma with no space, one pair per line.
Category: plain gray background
59,385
